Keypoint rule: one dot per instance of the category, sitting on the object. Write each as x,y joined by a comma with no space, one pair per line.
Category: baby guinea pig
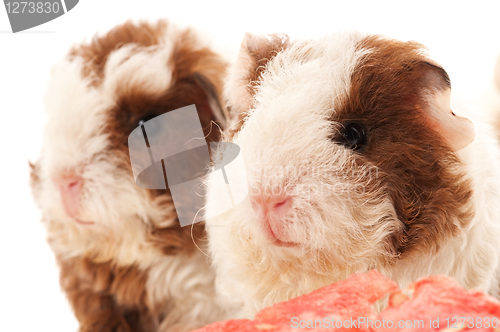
126,264
354,160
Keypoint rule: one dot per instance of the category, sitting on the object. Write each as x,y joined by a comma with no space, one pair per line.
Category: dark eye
146,118
153,126
355,135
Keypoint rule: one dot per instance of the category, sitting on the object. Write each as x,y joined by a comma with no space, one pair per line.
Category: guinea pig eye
355,135
153,126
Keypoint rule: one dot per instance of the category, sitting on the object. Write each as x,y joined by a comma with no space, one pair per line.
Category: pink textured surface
352,297
429,299
442,297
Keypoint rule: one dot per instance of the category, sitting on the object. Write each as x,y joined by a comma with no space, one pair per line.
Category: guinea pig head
97,95
349,143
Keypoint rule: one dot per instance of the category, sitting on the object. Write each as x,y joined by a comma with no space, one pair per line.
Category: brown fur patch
95,53
176,239
105,297
191,63
422,176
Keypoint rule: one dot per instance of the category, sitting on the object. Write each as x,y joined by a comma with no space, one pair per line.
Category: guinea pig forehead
313,76
95,54
141,69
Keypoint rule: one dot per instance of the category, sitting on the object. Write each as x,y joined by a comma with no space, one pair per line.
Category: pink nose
276,206
70,188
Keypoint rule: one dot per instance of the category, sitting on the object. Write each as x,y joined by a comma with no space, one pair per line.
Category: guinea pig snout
70,189
269,205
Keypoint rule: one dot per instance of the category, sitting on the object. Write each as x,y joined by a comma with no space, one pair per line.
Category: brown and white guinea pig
126,263
354,160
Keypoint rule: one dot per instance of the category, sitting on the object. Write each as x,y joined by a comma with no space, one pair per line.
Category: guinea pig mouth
85,223
273,237
279,243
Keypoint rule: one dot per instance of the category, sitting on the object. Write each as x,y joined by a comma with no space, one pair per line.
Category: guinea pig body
354,160
126,264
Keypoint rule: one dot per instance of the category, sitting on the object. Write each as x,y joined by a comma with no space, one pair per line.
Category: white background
465,39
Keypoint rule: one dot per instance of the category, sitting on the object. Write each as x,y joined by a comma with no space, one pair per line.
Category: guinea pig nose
274,205
71,185
70,188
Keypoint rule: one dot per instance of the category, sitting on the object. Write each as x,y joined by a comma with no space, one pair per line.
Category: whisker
192,236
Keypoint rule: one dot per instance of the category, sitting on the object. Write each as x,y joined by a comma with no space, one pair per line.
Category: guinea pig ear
435,90
213,93
255,52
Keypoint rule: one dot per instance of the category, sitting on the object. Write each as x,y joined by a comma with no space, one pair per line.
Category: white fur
287,132
496,76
